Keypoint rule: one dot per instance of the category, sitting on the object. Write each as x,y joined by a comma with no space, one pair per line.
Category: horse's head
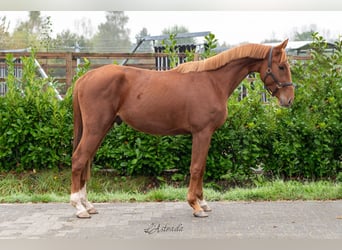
276,75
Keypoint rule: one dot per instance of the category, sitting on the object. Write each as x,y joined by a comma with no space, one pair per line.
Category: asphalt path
174,220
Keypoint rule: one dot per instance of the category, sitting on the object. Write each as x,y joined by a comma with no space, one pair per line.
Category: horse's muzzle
285,102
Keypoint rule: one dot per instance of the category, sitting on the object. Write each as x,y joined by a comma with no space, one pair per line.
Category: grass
53,186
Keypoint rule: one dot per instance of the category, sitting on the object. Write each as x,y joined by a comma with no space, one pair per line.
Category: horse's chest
218,115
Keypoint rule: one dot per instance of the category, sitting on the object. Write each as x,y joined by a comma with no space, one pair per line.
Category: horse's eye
281,67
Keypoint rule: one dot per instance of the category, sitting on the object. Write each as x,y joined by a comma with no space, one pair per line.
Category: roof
16,50
299,46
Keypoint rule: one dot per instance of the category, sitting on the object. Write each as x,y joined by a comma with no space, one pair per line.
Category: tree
67,41
4,34
145,46
176,29
32,25
305,34
45,32
35,32
22,39
26,33
113,36
84,27
271,40
80,40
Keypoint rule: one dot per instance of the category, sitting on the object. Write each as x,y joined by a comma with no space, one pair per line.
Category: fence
62,66
3,73
162,61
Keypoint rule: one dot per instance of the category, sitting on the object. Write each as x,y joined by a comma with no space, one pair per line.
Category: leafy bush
135,153
310,145
35,128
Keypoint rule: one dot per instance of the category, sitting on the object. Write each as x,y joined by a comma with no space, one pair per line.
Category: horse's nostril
286,102
290,101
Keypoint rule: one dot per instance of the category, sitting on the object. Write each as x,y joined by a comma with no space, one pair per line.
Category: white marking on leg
204,205
75,200
89,207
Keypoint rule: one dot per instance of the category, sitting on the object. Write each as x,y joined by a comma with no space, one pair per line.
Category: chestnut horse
189,99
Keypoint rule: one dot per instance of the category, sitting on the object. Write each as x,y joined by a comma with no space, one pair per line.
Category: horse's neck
231,75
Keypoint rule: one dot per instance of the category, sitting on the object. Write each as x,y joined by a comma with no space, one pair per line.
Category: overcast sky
232,27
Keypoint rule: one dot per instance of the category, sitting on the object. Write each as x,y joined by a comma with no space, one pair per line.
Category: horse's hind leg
84,199
95,127
80,164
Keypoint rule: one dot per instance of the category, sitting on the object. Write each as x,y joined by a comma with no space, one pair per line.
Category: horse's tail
78,126
78,131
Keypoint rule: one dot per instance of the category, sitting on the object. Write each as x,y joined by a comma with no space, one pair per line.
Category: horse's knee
76,170
76,166
196,173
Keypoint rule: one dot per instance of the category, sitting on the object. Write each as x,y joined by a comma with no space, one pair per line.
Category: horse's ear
283,44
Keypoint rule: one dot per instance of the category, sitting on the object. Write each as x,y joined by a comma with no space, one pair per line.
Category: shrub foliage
35,128
301,142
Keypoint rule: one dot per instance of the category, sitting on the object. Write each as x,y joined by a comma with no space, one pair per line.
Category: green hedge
35,128
302,142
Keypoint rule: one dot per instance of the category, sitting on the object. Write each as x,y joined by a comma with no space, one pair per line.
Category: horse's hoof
200,214
83,215
206,208
92,211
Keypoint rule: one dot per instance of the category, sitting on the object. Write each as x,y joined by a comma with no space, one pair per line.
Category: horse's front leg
200,147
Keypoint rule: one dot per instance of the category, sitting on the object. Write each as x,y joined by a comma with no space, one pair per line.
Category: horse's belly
165,123
156,127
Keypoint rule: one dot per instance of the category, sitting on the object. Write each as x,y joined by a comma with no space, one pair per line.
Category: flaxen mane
249,50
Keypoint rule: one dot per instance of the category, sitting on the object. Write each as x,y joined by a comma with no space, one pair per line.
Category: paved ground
174,220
